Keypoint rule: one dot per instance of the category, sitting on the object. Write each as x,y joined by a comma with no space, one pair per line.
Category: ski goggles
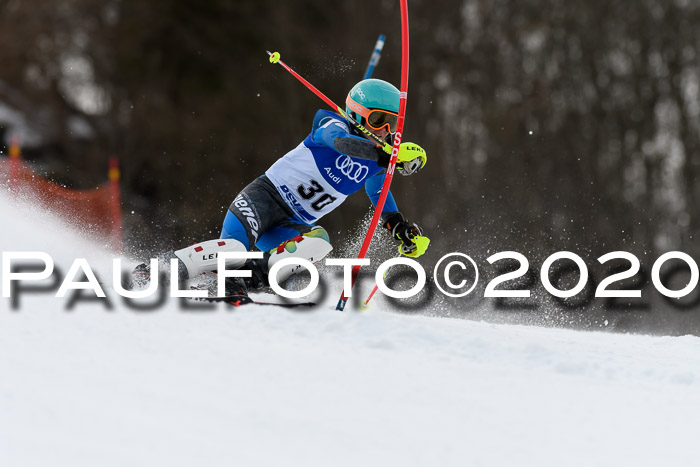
376,118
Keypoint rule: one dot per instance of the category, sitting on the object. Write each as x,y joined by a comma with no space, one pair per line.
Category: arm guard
362,148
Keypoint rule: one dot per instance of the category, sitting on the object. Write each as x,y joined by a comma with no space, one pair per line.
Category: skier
277,212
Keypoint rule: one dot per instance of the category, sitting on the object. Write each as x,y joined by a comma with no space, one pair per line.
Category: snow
260,386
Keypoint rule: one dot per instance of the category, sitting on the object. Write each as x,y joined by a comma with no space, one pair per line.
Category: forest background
549,125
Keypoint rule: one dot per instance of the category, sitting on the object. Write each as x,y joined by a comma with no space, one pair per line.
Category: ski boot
141,275
235,287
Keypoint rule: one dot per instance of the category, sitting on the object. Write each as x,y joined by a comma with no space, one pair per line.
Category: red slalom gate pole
394,153
116,204
14,154
393,150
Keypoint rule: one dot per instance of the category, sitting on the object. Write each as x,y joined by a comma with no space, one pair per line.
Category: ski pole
376,55
275,58
365,304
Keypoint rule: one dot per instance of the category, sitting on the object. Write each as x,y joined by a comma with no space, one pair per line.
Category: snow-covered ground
267,386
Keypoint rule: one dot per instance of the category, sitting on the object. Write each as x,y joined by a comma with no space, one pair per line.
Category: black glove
401,229
382,158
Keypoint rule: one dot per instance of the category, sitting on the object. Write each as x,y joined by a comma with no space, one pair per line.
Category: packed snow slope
262,386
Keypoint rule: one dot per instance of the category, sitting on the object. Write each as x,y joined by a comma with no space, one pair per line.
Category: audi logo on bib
351,169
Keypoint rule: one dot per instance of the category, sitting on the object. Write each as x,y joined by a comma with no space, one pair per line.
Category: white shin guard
309,246
202,257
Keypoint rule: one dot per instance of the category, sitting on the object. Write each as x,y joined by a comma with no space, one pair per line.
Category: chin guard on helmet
410,167
411,159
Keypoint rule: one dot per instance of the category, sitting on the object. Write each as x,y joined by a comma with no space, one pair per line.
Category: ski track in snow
267,386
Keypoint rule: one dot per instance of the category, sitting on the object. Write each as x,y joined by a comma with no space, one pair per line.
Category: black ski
240,300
